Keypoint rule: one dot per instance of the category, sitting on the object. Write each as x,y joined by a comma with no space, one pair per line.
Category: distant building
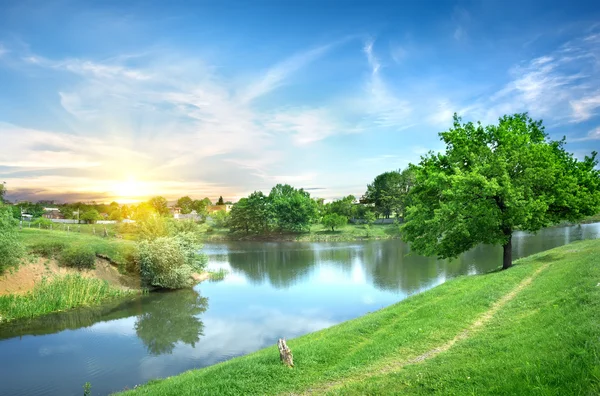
52,214
175,210
215,208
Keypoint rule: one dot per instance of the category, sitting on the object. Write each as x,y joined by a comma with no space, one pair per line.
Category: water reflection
161,320
169,318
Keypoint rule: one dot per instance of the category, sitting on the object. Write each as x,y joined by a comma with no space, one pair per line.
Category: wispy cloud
385,108
594,134
276,76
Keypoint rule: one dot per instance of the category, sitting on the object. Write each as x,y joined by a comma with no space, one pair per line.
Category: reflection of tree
281,264
171,317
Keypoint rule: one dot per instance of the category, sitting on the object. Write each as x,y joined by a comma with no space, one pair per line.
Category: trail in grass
397,365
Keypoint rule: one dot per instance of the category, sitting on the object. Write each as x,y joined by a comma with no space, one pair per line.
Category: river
273,290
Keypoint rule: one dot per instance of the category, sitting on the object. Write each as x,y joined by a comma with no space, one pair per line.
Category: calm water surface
273,290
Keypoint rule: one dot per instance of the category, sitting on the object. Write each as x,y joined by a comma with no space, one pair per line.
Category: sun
127,190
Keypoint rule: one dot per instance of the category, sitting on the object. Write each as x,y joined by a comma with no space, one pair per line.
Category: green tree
389,192
293,209
200,206
492,180
11,249
220,218
2,192
143,212
252,214
220,201
90,216
186,204
333,220
160,205
343,207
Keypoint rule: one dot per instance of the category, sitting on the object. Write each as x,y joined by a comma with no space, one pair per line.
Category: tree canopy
160,205
333,220
492,180
293,209
389,192
186,204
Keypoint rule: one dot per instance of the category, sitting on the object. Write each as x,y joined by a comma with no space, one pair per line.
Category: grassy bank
59,294
317,233
49,242
533,329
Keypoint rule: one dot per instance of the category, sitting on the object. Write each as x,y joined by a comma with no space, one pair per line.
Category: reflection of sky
244,315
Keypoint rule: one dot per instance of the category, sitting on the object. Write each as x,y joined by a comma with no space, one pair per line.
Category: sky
113,100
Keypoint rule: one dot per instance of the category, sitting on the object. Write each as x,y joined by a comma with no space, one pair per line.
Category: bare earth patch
24,278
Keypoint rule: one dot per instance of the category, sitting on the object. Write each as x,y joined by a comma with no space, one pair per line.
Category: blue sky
104,100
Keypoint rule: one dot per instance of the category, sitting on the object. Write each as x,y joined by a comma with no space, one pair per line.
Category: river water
273,290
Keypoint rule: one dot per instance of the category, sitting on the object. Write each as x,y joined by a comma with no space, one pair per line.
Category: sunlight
127,191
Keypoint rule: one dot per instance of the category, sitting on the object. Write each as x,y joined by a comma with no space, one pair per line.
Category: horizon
120,102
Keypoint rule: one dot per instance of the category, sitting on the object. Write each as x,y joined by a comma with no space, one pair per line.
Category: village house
52,214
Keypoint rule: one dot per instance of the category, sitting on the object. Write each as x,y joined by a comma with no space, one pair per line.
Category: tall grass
59,294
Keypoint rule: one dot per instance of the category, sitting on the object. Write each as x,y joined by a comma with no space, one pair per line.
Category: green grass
544,341
49,243
59,294
317,233
216,276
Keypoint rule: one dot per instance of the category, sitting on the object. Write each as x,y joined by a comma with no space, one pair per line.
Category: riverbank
530,329
317,233
43,284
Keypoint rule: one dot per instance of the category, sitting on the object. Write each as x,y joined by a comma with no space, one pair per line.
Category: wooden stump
285,354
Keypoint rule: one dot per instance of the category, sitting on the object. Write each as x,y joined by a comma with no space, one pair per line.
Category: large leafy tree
160,205
492,180
389,191
293,209
252,214
344,207
186,204
333,220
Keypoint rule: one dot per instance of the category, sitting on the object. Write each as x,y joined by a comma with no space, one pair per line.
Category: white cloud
276,75
594,134
385,108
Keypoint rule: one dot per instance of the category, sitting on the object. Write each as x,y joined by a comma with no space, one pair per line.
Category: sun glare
128,190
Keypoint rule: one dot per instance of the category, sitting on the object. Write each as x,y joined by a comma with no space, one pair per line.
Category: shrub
11,249
168,262
42,221
80,257
48,249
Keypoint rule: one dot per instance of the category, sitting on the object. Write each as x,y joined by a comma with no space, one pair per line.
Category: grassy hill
533,329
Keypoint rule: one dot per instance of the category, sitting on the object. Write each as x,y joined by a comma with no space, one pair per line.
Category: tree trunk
507,256
285,354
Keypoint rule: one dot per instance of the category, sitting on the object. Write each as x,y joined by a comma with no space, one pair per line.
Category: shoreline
528,310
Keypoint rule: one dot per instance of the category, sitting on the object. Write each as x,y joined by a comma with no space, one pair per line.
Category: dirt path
395,366
24,278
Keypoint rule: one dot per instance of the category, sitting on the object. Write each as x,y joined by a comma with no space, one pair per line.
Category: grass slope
543,341
60,294
114,248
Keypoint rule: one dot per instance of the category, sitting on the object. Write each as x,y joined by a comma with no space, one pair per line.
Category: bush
42,221
169,262
11,249
48,249
80,257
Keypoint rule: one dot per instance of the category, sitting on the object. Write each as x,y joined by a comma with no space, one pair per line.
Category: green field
532,329
115,249
317,233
